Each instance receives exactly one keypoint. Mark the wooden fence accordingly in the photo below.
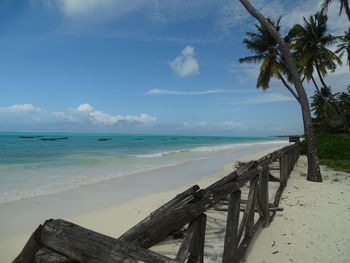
(60, 241)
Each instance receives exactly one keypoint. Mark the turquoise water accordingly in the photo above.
(32, 166)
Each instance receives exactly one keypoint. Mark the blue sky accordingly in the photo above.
(143, 66)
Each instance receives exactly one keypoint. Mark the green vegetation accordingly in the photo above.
(312, 47)
(333, 151)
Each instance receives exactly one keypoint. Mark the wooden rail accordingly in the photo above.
(60, 241)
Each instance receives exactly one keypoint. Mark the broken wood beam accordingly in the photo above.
(83, 245)
(31, 248)
(263, 195)
(247, 216)
(192, 246)
(231, 237)
(177, 199)
(45, 255)
(250, 221)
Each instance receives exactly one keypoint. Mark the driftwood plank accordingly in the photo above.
(31, 248)
(45, 255)
(283, 177)
(231, 238)
(251, 206)
(263, 195)
(191, 248)
(83, 245)
(184, 196)
(198, 250)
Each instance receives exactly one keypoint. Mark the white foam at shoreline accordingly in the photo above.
(74, 180)
(211, 148)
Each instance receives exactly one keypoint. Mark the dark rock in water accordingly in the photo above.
(104, 139)
(174, 138)
(54, 138)
(138, 138)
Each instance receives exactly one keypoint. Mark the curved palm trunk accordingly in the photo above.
(289, 87)
(314, 173)
(334, 109)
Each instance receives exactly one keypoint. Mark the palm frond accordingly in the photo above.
(251, 59)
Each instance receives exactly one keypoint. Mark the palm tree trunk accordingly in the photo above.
(314, 173)
(289, 87)
(334, 109)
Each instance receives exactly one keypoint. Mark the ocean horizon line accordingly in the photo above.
(136, 134)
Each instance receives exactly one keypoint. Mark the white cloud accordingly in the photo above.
(204, 92)
(84, 115)
(185, 64)
(23, 107)
(78, 7)
(96, 8)
(62, 115)
(85, 107)
(231, 125)
(336, 24)
(101, 118)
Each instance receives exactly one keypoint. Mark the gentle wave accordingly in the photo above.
(211, 148)
(76, 181)
(72, 170)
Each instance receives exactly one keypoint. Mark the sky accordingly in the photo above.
(144, 66)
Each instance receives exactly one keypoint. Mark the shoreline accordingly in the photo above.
(36, 168)
(110, 205)
(314, 226)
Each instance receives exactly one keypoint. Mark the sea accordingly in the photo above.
(36, 164)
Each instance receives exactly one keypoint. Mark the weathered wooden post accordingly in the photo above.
(231, 237)
(252, 201)
(192, 246)
(283, 177)
(263, 195)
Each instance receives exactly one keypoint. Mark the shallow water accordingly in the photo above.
(32, 167)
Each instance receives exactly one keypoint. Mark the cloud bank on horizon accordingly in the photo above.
(83, 116)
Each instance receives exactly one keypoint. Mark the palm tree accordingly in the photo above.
(310, 43)
(344, 4)
(313, 173)
(267, 53)
(325, 120)
(321, 109)
(344, 46)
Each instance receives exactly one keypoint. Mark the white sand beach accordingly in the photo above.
(314, 226)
